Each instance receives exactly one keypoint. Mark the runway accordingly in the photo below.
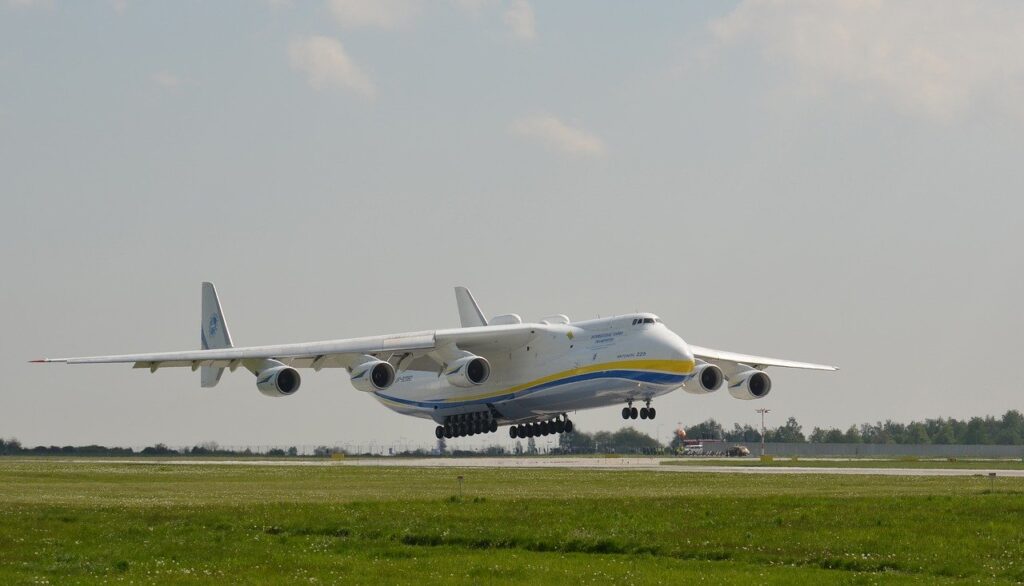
(623, 464)
(654, 465)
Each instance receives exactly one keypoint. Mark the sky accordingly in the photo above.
(829, 182)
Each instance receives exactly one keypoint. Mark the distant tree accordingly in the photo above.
(158, 450)
(519, 448)
(10, 447)
(1011, 430)
(276, 452)
(531, 446)
(442, 445)
(709, 429)
(293, 451)
(916, 433)
(791, 432)
(575, 443)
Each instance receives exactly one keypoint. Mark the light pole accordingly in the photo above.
(762, 411)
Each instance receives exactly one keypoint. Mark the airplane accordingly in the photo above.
(489, 372)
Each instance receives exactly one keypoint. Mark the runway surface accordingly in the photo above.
(644, 464)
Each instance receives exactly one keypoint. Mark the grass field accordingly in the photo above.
(64, 522)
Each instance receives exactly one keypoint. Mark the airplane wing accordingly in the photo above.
(327, 354)
(728, 360)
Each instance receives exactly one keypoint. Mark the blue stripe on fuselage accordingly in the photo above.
(658, 378)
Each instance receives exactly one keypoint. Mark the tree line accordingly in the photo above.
(1005, 430)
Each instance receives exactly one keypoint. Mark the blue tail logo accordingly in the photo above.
(213, 325)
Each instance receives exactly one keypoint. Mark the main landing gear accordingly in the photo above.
(465, 424)
(631, 412)
(560, 424)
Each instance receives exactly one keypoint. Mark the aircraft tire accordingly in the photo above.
(560, 426)
(568, 426)
(643, 413)
(463, 428)
(633, 413)
(625, 412)
(512, 432)
(448, 432)
(439, 432)
(650, 413)
(494, 425)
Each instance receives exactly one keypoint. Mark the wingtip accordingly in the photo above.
(38, 361)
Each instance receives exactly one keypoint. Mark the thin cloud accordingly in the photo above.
(520, 20)
(166, 79)
(327, 65)
(559, 136)
(30, 3)
(932, 59)
(386, 14)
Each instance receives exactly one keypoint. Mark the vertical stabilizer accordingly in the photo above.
(214, 333)
(469, 311)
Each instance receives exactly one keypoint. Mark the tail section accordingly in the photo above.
(469, 311)
(214, 332)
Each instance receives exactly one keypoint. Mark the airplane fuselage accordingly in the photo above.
(565, 367)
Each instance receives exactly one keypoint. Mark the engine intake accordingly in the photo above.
(278, 381)
(749, 385)
(468, 371)
(375, 375)
(707, 378)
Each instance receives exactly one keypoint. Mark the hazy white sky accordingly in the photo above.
(833, 182)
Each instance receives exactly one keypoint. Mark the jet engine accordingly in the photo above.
(468, 371)
(749, 385)
(278, 381)
(373, 375)
(707, 378)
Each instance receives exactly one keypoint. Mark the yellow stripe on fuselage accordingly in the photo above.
(676, 366)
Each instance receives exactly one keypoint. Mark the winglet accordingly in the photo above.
(469, 311)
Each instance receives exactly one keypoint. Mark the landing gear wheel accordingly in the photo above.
(633, 413)
(463, 429)
(448, 432)
(625, 412)
(544, 427)
(513, 432)
(560, 426)
(643, 413)
(650, 413)
(494, 425)
(568, 426)
(439, 432)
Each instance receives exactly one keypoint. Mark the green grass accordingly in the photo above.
(74, 522)
(778, 462)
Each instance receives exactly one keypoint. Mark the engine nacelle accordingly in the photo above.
(468, 371)
(374, 375)
(749, 385)
(278, 381)
(707, 378)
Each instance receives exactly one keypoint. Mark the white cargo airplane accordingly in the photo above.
(469, 380)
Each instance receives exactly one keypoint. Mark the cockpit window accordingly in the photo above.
(648, 320)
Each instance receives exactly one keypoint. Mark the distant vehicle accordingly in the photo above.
(737, 452)
(487, 373)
